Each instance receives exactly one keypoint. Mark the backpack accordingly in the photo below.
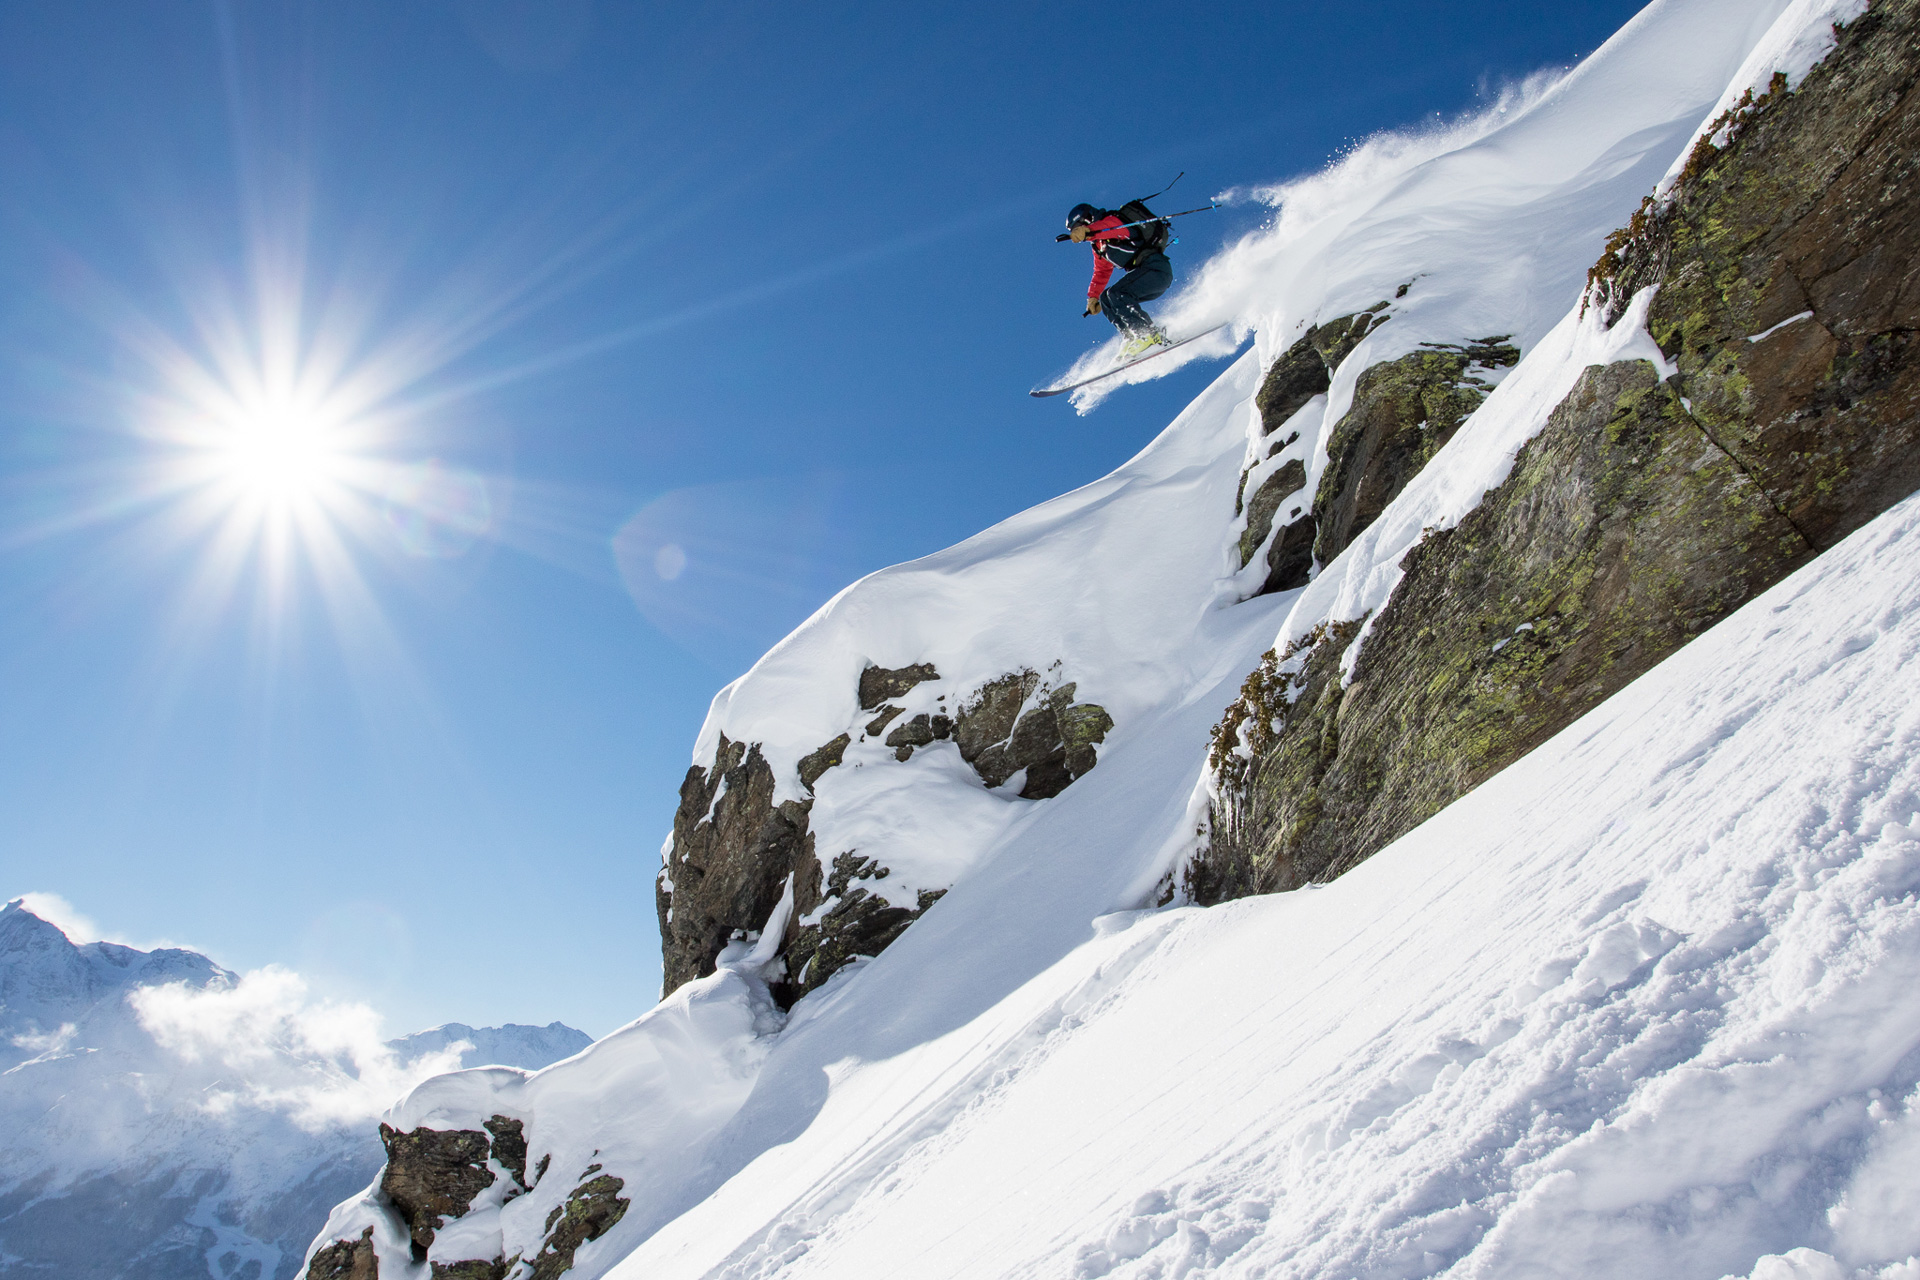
(1154, 237)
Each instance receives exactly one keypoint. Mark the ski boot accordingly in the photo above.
(1138, 344)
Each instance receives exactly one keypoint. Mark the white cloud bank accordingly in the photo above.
(276, 1048)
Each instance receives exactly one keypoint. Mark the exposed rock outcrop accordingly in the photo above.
(1645, 510)
(346, 1260)
(734, 846)
(590, 1211)
(433, 1175)
(1403, 412)
(732, 850)
(1052, 738)
(877, 684)
(1303, 371)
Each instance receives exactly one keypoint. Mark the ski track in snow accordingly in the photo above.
(1639, 1005)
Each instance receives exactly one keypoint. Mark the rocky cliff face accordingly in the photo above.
(1653, 503)
(437, 1177)
(1403, 411)
(737, 844)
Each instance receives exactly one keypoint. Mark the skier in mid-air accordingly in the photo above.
(1137, 250)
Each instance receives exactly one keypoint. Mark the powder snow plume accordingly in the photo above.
(1490, 220)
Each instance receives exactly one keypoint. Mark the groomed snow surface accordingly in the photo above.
(1642, 1005)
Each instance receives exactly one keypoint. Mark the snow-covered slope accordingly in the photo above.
(1490, 225)
(166, 1118)
(1639, 1005)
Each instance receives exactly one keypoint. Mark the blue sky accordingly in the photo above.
(765, 283)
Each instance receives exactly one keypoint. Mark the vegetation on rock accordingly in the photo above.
(590, 1211)
(1645, 510)
(1403, 412)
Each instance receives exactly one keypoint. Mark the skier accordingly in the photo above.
(1137, 250)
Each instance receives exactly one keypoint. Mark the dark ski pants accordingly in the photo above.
(1144, 281)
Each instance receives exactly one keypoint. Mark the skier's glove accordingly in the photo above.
(1093, 308)
(1078, 234)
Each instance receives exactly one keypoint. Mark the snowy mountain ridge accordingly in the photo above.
(166, 1117)
(46, 981)
(1553, 553)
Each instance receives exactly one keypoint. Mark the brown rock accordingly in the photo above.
(877, 684)
(817, 762)
(346, 1260)
(592, 1210)
(433, 1175)
(917, 732)
(729, 860)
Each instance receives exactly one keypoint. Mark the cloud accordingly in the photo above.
(275, 1048)
(60, 913)
(81, 928)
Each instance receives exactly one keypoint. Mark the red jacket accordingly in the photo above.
(1106, 230)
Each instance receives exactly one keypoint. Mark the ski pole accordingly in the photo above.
(1163, 217)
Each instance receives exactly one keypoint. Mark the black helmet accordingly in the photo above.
(1080, 215)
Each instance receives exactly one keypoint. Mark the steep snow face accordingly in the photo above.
(1491, 221)
(1640, 1005)
(166, 1117)
(1489, 225)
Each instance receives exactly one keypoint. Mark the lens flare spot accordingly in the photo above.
(437, 511)
(670, 561)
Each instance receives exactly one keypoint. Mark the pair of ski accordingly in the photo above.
(1154, 354)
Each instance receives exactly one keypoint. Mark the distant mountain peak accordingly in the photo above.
(260, 1179)
(47, 980)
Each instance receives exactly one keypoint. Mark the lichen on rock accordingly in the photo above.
(1016, 723)
(589, 1212)
(1645, 509)
(1303, 371)
(1403, 412)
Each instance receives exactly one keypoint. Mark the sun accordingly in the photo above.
(279, 453)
